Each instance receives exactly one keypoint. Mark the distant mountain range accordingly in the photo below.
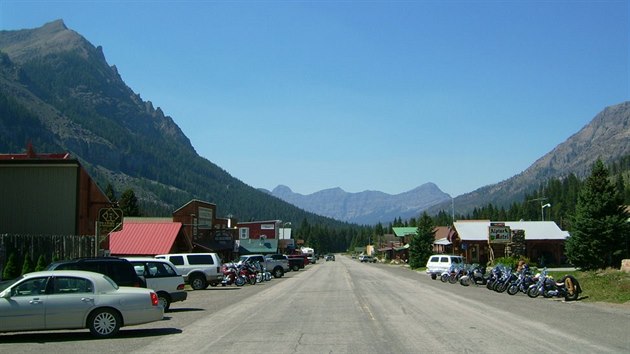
(58, 92)
(368, 207)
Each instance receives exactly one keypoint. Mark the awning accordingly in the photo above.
(401, 248)
(442, 241)
(251, 246)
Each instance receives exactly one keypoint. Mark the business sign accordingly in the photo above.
(109, 219)
(204, 218)
(499, 233)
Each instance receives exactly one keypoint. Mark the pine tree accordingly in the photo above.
(421, 245)
(41, 263)
(27, 266)
(10, 269)
(129, 203)
(599, 236)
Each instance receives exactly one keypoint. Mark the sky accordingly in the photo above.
(362, 95)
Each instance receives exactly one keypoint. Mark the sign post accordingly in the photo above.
(498, 233)
(109, 220)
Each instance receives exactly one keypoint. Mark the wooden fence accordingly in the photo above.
(52, 247)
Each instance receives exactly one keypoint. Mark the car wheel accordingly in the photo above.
(433, 276)
(278, 272)
(164, 300)
(104, 323)
(198, 283)
(296, 268)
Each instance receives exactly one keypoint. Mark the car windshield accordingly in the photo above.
(7, 283)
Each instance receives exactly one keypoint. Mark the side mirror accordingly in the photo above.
(6, 294)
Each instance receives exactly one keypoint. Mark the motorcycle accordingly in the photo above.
(474, 274)
(231, 275)
(522, 282)
(248, 271)
(568, 287)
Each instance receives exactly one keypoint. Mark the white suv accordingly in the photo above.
(199, 269)
(161, 276)
(439, 263)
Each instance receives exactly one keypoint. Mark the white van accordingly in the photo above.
(439, 263)
(199, 269)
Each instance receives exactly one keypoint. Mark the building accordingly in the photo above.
(149, 237)
(258, 237)
(543, 240)
(47, 194)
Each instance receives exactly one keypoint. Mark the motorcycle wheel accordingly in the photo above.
(571, 290)
(444, 278)
(502, 287)
(512, 289)
(239, 281)
(251, 280)
(533, 292)
(452, 279)
(490, 284)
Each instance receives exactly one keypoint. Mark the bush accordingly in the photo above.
(511, 262)
(41, 263)
(27, 266)
(10, 269)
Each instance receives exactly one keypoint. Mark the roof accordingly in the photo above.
(534, 230)
(442, 241)
(144, 238)
(405, 231)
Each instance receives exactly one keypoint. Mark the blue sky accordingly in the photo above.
(362, 95)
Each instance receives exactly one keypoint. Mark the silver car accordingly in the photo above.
(70, 299)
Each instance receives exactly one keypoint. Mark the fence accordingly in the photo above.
(52, 247)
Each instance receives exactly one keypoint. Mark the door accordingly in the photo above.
(24, 308)
(69, 302)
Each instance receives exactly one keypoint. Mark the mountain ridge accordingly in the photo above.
(367, 207)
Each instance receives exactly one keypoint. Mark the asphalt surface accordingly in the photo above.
(351, 307)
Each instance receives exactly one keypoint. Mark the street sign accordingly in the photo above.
(109, 219)
(499, 234)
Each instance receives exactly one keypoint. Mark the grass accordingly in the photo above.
(608, 285)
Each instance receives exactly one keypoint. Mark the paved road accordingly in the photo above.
(350, 307)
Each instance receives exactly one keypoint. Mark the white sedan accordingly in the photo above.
(69, 299)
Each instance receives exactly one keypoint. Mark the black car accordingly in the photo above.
(120, 270)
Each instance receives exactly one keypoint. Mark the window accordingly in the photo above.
(177, 260)
(200, 259)
(30, 287)
(444, 259)
(71, 285)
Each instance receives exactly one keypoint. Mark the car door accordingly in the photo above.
(24, 308)
(69, 301)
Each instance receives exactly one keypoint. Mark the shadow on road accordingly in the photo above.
(74, 336)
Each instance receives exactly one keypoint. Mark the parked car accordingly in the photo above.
(439, 263)
(329, 257)
(68, 299)
(367, 259)
(199, 269)
(161, 276)
(118, 269)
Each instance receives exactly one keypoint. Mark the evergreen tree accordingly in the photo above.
(27, 266)
(10, 269)
(110, 193)
(421, 245)
(600, 229)
(129, 203)
(41, 263)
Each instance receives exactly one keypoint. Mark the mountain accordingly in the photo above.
(368, 207)
(58, 92)
(606, 137)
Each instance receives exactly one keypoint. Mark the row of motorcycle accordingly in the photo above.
(242, 273)
(501, 278)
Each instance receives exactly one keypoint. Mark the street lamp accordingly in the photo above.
(542, 210)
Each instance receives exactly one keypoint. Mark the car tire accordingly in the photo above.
(295, 268)
(433, 276)
(278, 272)
(104, 323)
(164, 300)
(198, 282)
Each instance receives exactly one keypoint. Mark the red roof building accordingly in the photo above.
(144, 237)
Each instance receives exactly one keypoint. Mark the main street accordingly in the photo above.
(351, 307)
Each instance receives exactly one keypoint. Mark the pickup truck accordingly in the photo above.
(277, 267)
(301, 258)
(296, 263)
